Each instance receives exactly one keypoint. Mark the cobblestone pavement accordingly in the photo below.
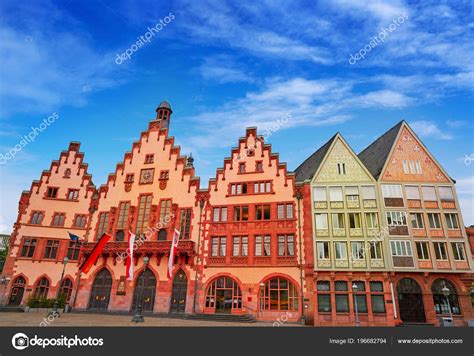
(84, 319)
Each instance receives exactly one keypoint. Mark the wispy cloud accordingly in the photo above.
(223, 69)
(45, 65)
(430, 129)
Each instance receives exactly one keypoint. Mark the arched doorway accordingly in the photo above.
(178, 295)
(18, 289)
(440, 300)
(224, 295)
(410, 301)
(100, 293)
(144, 291)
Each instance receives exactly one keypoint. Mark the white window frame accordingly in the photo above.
(342, 251)
(401, 248)
(320, 244)
(392, 191)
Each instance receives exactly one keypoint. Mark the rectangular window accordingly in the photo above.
(266, 245)
(412, 192)
(321, 221)
(324, 296)
(375, 250)
(102, 225)
(240, 246)
(58, 219)
(446, 193)
(284, 211)
(401, 248)
(262, 245)
(405, 167)
(320, 194)
(165, 210)
(359, 297)
(241, 167)
(214, 246)
(36, 218)
(422, 250)
(372, 220)
(418, 167)
(358, 252)
(149, 158)
(429, 193)
(28, 248)
(341, 250)
(219, 214)
(416, 220)
(392, 191)
(185, 223)
(452, 221)
(223, 246)
(354, 221)
(352, 194)
(236, 246)
(341, 168)
(396, 218)
(412, 167)
(440, 251)
(262, 212)
(144, 207)
(51, 249)
(258, 245)
(377, 297)
(124, 208)
(458, 251)
(286, 245)
(129, 178)
(73, 194)
(338, 221)
(80, 221)
(342, 299)
(52, 192)
(368, 192)
(434, 221)
(73, 250)
(259, 167)
(241, 213)
(323, 250)
(335, 194)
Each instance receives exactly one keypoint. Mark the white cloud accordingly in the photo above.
(429, 129)
(45, 66)
(223, 69)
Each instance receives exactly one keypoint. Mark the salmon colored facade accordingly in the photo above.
(251, 236)
(259, 240)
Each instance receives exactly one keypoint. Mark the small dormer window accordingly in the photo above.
(341, 168)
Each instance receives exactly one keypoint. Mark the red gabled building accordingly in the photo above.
(251, 243)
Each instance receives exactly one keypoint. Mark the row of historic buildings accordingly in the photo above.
(381, 230)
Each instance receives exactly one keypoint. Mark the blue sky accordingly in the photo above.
(227, 65)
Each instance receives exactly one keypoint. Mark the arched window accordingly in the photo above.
(441, 300)
(66, 289)
(224, 294)
(279, 294)
(42, 288)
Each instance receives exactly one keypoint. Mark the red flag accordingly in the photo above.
(87, 264)
(131, 241)
(174, 245)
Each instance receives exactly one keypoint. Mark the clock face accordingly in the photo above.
(147, 176)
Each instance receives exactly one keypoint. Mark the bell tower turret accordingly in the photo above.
(163, 114)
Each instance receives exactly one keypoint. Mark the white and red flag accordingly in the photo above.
(174, 246)
(129, 264)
